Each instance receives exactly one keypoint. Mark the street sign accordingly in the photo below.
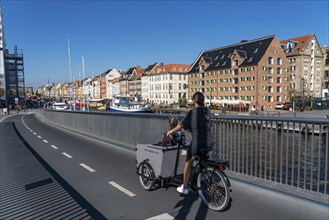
(16, 100)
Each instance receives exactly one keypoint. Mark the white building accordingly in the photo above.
(167, 83)
(110, 76)
(145, 82)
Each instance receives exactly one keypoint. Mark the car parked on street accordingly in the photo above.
(287, 106)
(279, 106)
(59, 106)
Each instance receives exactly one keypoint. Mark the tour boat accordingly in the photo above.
(128, 104)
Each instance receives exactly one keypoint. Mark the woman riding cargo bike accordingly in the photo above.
(156, 163)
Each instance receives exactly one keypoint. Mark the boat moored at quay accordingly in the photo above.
(128, 104)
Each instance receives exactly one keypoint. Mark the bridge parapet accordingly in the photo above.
(283, 153)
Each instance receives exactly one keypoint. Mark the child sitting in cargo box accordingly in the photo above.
(176, 137)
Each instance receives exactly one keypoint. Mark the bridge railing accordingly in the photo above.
(283, 153)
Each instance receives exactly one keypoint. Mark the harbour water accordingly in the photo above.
(270, 152)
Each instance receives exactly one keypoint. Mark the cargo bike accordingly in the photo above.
(157, 165)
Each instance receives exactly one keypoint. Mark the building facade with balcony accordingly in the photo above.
(145, 82)
(254, 71)
(325, 75)
(135, 83)
(15, 79)
(306, 62)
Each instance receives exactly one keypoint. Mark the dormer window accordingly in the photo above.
(235, 63)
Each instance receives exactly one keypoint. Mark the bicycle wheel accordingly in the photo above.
(213, 189)
(146, 176)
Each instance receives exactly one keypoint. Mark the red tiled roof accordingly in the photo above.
(170, 68)
(114, 80)
(301, 43)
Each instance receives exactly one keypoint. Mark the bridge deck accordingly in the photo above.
(31, 190)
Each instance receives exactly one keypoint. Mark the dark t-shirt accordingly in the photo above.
(200, 128)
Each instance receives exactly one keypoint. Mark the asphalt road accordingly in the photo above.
(105, 175)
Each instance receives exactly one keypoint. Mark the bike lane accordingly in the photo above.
(248, 202)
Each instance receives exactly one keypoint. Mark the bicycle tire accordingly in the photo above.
(213, 188)
(146, 176)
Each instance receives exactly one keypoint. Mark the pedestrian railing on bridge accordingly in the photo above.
(283, 153)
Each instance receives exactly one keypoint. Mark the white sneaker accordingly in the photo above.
(181, 189)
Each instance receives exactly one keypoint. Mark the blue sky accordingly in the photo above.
(122, 34)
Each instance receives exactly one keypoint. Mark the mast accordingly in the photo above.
(70, 72)
(83, 83)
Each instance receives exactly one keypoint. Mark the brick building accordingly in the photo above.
(255, 71)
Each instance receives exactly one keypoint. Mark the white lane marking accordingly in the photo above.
(87, 167)
(162, 216)
(31, 130)
(66, 155)
(53, 146)
(34, 133)
(45, 141)
(39, 136)
(122, 189)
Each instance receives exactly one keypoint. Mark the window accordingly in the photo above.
(270, 79)
(279, 61)
(270, 89)
(270, 70)
(279, 71)
(270, 60)
(235, 63)
(279, 80)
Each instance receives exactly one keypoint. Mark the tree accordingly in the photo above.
(182, 102)
(293, 94)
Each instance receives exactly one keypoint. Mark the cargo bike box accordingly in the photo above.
(160, 160)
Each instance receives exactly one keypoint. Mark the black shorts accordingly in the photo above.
(190, 153)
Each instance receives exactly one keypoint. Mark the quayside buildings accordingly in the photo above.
(254, 71)
(260, 72)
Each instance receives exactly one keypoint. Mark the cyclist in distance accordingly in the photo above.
(198, 122)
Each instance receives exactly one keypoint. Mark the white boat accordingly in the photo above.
(129, 104)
